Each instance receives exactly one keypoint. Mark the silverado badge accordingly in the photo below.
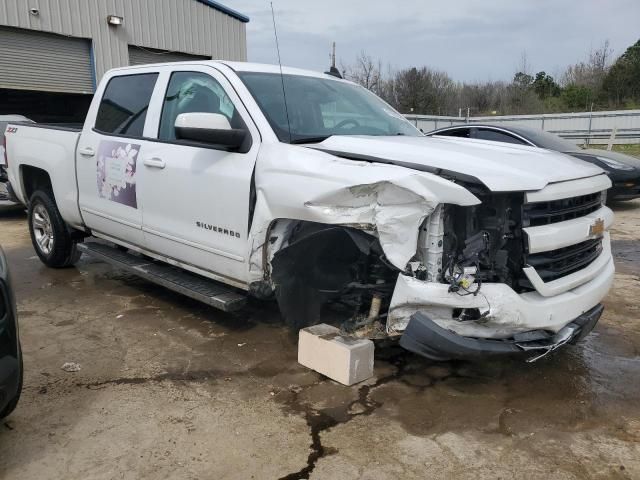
(597, 227)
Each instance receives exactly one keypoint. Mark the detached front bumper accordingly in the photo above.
(441, 325)
(424, 337)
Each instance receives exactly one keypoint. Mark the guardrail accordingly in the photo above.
(616, 127)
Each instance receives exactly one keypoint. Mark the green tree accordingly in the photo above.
(522, 80)
(577, 96)
(520, 96)
(622, 83)
(545, 86)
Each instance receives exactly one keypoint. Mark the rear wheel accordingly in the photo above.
(50, 235)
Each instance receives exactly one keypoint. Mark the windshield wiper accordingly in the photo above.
(310, 139)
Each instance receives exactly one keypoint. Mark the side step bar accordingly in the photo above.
(194, 286)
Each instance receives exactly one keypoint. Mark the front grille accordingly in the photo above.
(544, 213)
(558, 263)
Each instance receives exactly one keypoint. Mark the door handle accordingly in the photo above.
(154, 162)
(87, 152)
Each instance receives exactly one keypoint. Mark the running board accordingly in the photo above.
(194, 286)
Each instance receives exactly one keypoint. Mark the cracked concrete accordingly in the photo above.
(170, 388)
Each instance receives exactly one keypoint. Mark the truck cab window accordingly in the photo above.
(191, 92)
(124, 105)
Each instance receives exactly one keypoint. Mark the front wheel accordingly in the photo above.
(49, 233)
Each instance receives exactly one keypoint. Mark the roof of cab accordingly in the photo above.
(240, 67)
(268, 68)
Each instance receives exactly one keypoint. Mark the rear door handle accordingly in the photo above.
(87, 152)
(154, 162)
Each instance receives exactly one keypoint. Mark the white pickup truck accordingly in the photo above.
(223, 180)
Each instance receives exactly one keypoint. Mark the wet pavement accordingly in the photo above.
(169, 388)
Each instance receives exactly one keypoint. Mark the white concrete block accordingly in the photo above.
(347, 360)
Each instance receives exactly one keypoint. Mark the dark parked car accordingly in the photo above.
(10, 353)
(623, 170)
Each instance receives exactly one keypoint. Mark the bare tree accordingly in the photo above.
(423, 90)
(365, 72)
(484, 97)
(590, 73)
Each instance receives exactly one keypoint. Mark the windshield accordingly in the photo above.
(318, 108)
(550, 141)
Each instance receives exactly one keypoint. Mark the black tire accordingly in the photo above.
(13, 403)
(58, 249)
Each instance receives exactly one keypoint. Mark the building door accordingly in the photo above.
(31, 60)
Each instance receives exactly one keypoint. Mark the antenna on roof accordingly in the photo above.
(286, 109)
(333, 71)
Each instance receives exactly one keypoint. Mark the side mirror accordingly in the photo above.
(211, 128)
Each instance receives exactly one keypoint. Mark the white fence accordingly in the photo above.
(595, 127)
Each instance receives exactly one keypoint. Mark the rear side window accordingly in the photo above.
(458, 132)
(496, 136)
(124, 105)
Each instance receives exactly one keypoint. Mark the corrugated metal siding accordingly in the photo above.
(176, 25)
(44, 61)
(141, 56)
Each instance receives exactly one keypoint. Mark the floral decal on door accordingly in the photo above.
(116, 172)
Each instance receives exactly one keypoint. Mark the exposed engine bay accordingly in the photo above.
(483, 243)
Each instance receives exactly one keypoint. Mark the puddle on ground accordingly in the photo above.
(626, 254)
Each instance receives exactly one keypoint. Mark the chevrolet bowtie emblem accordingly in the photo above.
(597, 228)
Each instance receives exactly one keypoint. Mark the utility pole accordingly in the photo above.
(333, 55)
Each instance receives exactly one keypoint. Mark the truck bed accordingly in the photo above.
(51, 148)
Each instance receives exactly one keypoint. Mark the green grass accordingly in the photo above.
(630, 149)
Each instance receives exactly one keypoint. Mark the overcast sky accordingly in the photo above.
(469, 39)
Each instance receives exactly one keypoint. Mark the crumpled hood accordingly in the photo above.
(500, 167)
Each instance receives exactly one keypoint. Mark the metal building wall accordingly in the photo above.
(179, 25)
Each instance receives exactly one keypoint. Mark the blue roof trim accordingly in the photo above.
(224, 9)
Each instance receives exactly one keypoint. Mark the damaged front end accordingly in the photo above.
(441, 262)
(486, 297)
(463, 294)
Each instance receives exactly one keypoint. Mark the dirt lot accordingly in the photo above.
(172, 389)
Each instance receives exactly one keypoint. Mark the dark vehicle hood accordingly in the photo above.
(591, 156)
(617, 156)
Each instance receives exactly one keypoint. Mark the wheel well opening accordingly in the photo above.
(333, 265)
(33, 179)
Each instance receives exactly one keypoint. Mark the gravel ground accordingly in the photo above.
(171, 389)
